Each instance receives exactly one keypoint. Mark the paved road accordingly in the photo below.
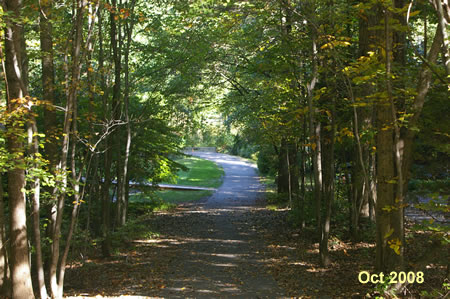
(219, 253)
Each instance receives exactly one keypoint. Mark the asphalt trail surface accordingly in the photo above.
(219, 252)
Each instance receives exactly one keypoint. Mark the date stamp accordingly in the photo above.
(393, 277)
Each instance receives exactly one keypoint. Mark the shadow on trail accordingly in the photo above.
(205, 249)
(219, 253)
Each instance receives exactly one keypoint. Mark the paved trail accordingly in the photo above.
(219, 254)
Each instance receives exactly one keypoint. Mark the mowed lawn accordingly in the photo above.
(201, 173)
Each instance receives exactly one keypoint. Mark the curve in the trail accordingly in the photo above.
(220, 253)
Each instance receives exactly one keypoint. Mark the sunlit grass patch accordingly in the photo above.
(201, 173)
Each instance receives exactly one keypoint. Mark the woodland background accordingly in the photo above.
(343, 103)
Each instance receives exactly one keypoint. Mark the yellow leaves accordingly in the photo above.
(79, 202)
(395, 244)
(414, 13)
(389, 233)
(335, 43)
(388, 208)
(346, 132)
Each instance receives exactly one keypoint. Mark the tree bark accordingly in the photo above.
(328, 189)
(443, 24)
(5, 283)
(56, 285)
(388, 228)
(35, 186)
(16, 89)
(283, 170)
(48, 79)
(123, 199)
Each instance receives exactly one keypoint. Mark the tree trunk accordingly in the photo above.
(35, 186)
(387, 259)
(116, 45)
(302, 197)
(55, 284)
(314, 132)
(283, 170)
(5, 283)
(328, 190)
(48, 79)
(443, 24)
(317, 168)
(106, 209)
(389, 222)
(123, 199)
(20, 266)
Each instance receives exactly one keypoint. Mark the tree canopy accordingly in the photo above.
(337, 100)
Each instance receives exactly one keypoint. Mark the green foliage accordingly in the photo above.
(429, 186)
(267, 160)
(437, 293)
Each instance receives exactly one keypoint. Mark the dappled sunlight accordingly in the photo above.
(224, 265)
(208, 249)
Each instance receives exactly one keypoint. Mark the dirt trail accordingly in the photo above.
(220, 253)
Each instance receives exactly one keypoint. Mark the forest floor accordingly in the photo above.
(231, 245)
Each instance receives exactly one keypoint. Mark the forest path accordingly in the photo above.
(219, 252)
(213, 248)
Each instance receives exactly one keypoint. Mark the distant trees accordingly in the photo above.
(86, 106)
(342, 84)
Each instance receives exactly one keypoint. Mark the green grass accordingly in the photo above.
(201, 173)
(175, 197)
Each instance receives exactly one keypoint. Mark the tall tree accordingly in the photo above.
(18, 103)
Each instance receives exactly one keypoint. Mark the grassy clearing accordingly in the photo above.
(201, 173)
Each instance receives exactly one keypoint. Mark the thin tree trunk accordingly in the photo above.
(373, 188)
(55, 284)
(302, 196)
(314, 133)
(443, 24)
(123, 199)
(328, 190)
(106, 209)
(116, 45)
(283, 170)
(34, 151)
